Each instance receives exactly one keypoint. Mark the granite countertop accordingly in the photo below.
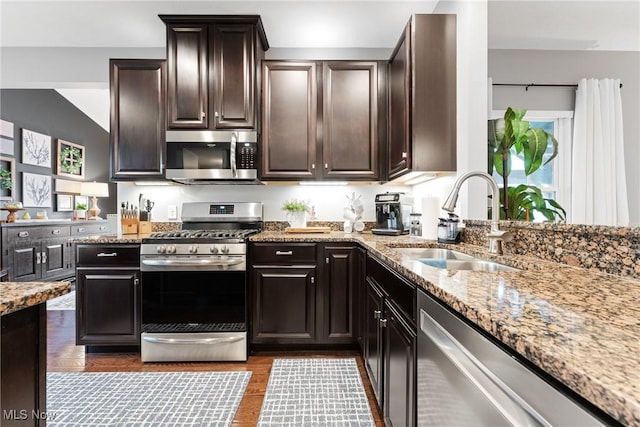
(111, 239)
(580, 326)
(15, 296)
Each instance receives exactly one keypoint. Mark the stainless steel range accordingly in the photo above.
(194, 285)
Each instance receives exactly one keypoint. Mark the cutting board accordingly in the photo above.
(308, 230)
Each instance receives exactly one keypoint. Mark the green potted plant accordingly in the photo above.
(80, 212)
(513, 132)
(6, 182)
(296, 212)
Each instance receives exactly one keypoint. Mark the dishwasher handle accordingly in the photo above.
(511, 406)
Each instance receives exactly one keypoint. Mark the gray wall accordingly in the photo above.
(47, 112)
(567, 67)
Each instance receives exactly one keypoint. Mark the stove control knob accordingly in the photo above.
(225, 250)
(161, 249)
(213, 250)
(171, 249)
(193, 249)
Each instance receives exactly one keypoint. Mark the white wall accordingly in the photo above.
(329, 201)
(567, 67)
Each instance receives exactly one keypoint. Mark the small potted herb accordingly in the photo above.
(296, 212)
(80, 211)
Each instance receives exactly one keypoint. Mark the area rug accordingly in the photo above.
(315, 392)
(144, 398)
(64, 302)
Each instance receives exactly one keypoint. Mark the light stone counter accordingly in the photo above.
(580, 326)
(15, 296)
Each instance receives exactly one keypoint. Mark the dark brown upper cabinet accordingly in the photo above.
(322, 120)
(422, 97)
(137, 136)
(212, 70)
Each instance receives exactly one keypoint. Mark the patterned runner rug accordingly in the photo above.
(315, 392)
(144, 398)
(65, 302)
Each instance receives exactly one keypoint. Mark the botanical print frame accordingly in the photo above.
(80, 199)
(64, 202)
(36, 148)
(71, 158)
(7, 178)
(6, 138)
(36, 190)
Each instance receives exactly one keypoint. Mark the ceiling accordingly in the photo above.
(513, 24)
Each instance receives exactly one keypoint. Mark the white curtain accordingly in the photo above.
(599, 188)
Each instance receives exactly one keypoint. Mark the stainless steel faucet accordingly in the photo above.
(495, 236)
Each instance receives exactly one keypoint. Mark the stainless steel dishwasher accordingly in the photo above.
(466, 380)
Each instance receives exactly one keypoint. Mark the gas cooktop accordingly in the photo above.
(202, 236)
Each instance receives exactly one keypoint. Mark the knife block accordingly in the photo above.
(129, 225)
(144, 227)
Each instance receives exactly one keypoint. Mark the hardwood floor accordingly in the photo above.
(64, 356)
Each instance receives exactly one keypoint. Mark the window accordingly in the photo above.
(554, 177)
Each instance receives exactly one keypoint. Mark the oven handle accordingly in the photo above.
(170, 262)
(232, 339)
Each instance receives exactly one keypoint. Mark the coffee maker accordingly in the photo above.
(392, 214)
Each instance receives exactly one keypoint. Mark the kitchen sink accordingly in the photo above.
(433, 253)
(466, 264)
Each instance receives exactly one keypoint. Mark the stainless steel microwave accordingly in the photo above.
(200, 157)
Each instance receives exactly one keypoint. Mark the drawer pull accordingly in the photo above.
(103, 227)
(81, 230)
(377, 314)
(103, 254)
(56, 231)
(23, 234)
(284, 253)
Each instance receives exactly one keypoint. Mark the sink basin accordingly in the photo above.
(466, 264)
(433, 253)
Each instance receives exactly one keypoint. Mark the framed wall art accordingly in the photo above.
(36, 149)
(7, 178)
(70, 159)
(6, 138)
(36, 190)
(64, 202)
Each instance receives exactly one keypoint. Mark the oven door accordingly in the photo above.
(194, 315)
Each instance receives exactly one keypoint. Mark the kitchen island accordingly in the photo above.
(23, 351)
(579, 326)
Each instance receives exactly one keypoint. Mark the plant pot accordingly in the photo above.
(79, 214)
(297, 219)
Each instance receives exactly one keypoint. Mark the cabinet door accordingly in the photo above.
(232, 67)
(350, 120)
(137, 136)
(399, 369)
(399, 152)
(373, 307)
(283, 305)
(107, 311)
(289, 108)
(25, 258)
(187, 84)
(56, 258)
(336, 305)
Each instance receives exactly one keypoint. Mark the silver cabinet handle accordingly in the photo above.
(404, 154)
(313, 165)
(38, 259)
(232, 154)
(23, 234)
(510, 405)
(44, 257)
(284, 252)
(227, 340)
(103, 254)
(103, 227)
(81, 230)
(313, 280)
(383, 323)
(56, 231)
(326, 165)
(377, 314)
(203, 115)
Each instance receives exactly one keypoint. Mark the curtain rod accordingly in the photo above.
(528, 85)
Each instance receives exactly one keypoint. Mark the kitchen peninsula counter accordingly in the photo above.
(16, 296)
(580, 326)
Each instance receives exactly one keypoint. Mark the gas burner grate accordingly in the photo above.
(193, 327)
(203, 234)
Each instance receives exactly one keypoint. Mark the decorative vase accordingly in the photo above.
(297, 219)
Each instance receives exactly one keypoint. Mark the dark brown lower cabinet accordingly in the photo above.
(303, 294)
(23, 364)
(390, 342)
(284, 305)
(108, 295)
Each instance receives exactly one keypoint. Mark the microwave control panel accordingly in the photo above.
(246, 157)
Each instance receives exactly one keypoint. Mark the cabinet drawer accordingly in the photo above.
(269, 253)
(90, 229)
(36, 233)
(400, 291)
(107, 255)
